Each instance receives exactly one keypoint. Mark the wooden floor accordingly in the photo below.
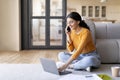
(27, 57)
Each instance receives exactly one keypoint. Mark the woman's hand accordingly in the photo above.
(67, 30)
(62, 68)
(68, 35)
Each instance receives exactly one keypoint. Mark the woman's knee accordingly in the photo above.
(94, 61)
(62, 56)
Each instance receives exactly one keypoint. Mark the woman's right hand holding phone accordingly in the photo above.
(68, 31)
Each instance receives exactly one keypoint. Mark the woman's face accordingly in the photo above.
(73, 24)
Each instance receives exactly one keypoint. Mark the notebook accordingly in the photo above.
(81, 77)
(51, 67)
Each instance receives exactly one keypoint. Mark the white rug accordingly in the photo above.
(35, 72)
(24, 72)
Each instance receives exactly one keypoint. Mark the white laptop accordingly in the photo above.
(50, 66)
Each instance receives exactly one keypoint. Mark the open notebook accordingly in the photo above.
(51, 67)
(80, 77)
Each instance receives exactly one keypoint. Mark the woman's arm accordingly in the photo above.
(63, 67)
(68, 35)
(69, 44)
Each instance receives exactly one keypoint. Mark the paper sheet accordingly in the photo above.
(80, 77)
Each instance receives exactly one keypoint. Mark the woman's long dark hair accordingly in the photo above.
(76, 16)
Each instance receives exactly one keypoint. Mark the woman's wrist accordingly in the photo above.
(68, 39)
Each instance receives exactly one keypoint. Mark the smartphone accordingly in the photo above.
(68, 29)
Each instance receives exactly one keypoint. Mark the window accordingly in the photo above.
(90, 11)
(93, 11)
(83, 10)
(103, 11)
(97, 11)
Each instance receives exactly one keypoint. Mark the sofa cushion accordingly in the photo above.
(101, 30)
(108, 50)
(113, 31)
(118, 41)
(92, 28)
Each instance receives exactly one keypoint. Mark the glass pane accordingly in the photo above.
(38, 8)
(90, 10)
(103, 11)
(97, 9)
(56, 32)
(38, 31)
(55, 7)
(83, 10)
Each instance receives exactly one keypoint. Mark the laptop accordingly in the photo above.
(51, 67)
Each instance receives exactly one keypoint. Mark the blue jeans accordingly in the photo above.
(91, 59)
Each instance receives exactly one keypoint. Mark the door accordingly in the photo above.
(45, 24)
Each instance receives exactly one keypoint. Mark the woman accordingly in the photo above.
(82, 51)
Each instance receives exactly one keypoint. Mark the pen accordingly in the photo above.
(88, 76)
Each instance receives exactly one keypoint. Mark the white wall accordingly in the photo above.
(9, 25)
